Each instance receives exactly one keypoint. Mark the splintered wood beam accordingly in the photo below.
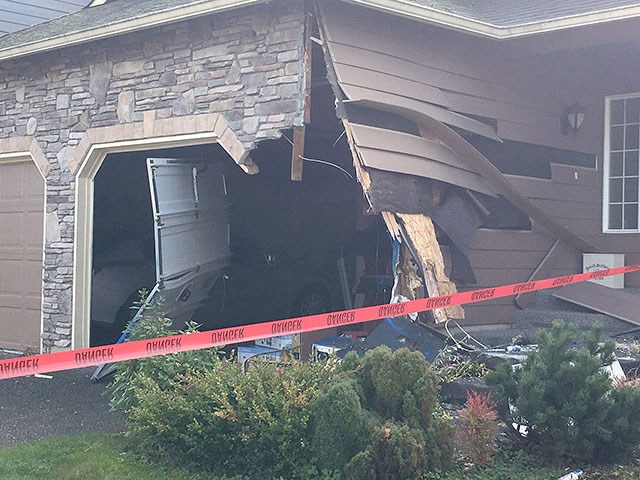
(308, 57)
(392, 225)
(421, 234)
(297, 154)
(299, 132)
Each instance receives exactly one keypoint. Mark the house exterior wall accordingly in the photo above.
(243, 65)
(524, 93)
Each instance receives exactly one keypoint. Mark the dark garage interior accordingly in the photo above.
(286, 236)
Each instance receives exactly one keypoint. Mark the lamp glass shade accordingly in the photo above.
(575, 120)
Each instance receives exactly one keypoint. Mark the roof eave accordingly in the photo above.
(397, 7)
(126, 26)
(496, 32)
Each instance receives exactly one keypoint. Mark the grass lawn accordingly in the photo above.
(93, 457)
(104, 457)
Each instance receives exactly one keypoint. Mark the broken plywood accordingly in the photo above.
(421, 233)
(609, 301)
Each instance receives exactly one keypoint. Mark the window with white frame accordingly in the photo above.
(621, 153)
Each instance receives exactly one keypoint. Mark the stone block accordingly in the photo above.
(62, 102)
(126, 106)
(128, 67)
(167, 79)
(185, 104)
(32, 124)
(209, 52)
(99, 77)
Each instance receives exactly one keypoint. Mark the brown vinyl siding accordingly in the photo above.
(394, 151)
(458, 80)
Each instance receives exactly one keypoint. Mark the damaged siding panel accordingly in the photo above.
(422, 167)
(386, 82)
(574, 175)
(572, 204)
(446, 81)
(389, 35)
(549, 135)
(536, 188)
(393, 141)
(454, 64)
(363, 96)
(500, 109)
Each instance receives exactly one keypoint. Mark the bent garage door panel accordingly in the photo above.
(21, 222)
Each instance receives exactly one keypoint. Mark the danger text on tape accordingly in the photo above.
(52, 362)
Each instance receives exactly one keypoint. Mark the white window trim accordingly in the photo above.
(605, 166)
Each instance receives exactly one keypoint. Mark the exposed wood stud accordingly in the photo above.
(392, 225)
(297, 153)
(421, 234)
(299, 132)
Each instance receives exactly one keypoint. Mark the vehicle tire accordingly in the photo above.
(311, 300)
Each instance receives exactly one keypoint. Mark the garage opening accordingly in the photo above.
(285, 238)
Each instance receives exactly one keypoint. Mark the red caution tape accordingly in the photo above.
(53, 362)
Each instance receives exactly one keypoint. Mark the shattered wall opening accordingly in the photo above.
(286, 237)
(427, 150)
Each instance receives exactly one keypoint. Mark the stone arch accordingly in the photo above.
(86, 159)
(22, 148)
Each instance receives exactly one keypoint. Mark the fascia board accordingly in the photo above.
(126, 26)
(476, 27)
(397, 7)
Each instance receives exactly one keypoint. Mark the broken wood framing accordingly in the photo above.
(297, 160)
(420, 232)
(297, 153)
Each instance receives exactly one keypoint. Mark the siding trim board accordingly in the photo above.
(436, 16)
(80, 36)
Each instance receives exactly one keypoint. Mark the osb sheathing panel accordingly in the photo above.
(421, 233)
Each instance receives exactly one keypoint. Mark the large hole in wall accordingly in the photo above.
(285, 237)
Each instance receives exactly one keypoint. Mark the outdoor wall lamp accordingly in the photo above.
(572, 118)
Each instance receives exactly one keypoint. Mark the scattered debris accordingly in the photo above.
(575, 475)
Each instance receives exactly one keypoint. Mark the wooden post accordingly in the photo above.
(421, 233)
(297, 153)
(299, 132)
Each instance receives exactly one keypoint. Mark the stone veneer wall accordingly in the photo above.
(245, 65)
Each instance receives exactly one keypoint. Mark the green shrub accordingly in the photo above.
(402, 437)
(396, 452)
(303, 420)
(339, 431)
(198, 409)
(164, 370)
(567, 401)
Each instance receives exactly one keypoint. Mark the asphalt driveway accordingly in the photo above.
(33, 409)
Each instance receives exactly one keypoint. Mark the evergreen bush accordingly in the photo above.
(567, 401)
(398, 394)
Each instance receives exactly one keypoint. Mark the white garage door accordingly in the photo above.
(21, 223)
